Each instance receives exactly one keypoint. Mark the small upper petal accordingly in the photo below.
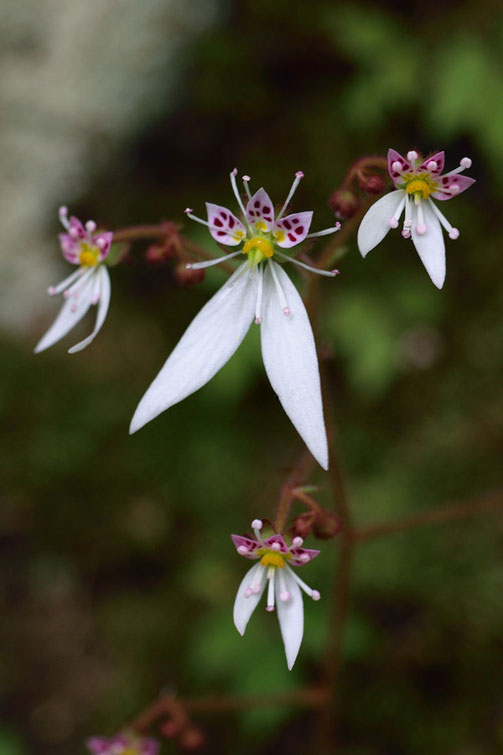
(302, 556)
(430, 245)
(245, 542)
(290, 616)
(396, 157)
(461, 183)
(208, 343)
(290, 360)
(375, 225)
(439, 159)
(245, 606)
(294, 228)
(224, 226)
(260, 211)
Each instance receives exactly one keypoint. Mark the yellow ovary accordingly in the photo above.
(258, 243)
(273, 558)
(89, 255)
(421, 184)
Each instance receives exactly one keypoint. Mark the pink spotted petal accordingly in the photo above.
(276, 539)
(77, 230)
(447, 182)
(298, 555)
(69, 248)
(252, 545)
(260, 210)
(439, 158)
(105, 239)
(295, 228)
(224, 225)
(393, 157)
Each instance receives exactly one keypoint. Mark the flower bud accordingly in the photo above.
(326, 525)
(191, 739)
(344, 203)
(371, 184)
(188, 276)
(303, 524)
(163, 249)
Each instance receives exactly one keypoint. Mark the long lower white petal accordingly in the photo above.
(247, 600)
(208, 343)
(430, 245)
(290, 617)
(291, 363)
(375, 224)
(71, 313)
(104, 292)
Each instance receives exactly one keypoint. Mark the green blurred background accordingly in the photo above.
(118, 573)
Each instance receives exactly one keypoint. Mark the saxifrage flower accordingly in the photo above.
(89, 284)
(284, 587)
(259, 290)
(123, 744)
(418, 182)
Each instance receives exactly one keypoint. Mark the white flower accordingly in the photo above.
(283, 585)
(89, 284)
(259, 290)
(417, 180)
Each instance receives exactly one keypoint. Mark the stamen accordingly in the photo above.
(245, 184)
(393, 221)
(256, 527)
(314, 594)
(453, 232)
(281, 295)
(407, 223)
(305, 558)
(284, 595)
(258, 303)
(420, 227)
(275, 547)
(101, 243)
(53, 290)
(210, 263)
(95, 296)
(326, 232)
(397, 166)
(327, 273)
(256, 584)
(464, 164)
(298, 177)
(189, 214)
(236, 192)
(432, 165)
(270, 590)
(297, 542)
(90, 226)
(83, 278)
(63, 216)
(412, 156)
(243, 550)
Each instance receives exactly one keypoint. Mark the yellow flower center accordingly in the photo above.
(260, 244)
(420, 185)
(273, 558)
(89, 255)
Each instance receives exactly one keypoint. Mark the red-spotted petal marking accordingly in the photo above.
(434, 164)
(293, 229)
(103, 241)
(301, 556)
(397, 165)
(451, 186)
(245, 546)
(76, 229)
(224, 226)
(69, 248)
(276, 540)
(260, 211)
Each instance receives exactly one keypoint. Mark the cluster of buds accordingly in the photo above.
(364, 176)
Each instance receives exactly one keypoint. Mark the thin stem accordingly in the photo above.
(297, 476)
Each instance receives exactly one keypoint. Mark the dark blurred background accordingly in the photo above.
(118, 573)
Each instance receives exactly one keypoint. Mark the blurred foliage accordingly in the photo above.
(118, 571)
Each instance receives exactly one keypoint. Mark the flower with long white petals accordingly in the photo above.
(284, 588)
(258, 291)
(418, 181)
(88, 285)
(125, 743)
